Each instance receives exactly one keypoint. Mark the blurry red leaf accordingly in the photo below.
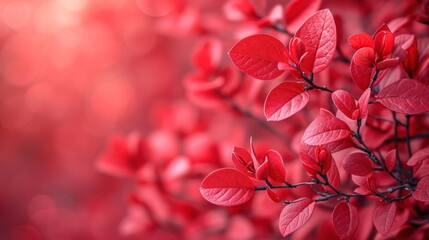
(243, 161)
(406, 96)
(345, 102)
(422, 190)
(345, 218)
(383, 217)
(227, 187)
(295, 215)
(273, 196)
(207, 54)
(390, 160)
(258, 56)
(284, 100)
(325, 128)
(363, 103)
(422, 154)
(319, 35)
(276, 168)
(296, 11)
(411, 61)
(361, 40)
(387, 63)
(358, 164)
(383, 43)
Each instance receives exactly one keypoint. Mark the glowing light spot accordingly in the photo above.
(75, 5)
(157, 8)
(17, 14)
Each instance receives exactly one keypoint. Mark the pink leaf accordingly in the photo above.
(422, 190)
(258, 56)
(345, 218)
(422, 154)
(358, 164)
(345, 102)
(406, 96)
(285, 100)
(319, 35)
(276, 168)
(326, 128)
(383, 217)
(390, 160)
(227, 187)
(296, 11)
(363, 103)
(360, 40)
(295, 215)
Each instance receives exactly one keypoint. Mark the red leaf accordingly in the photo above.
(296, 11)
(276, 168)
(326, 128)
(319, 35)
(273, 196)
(363, 103)
(361, 75)
(334, 175)
(383, 43)
(360, 40)
(406, 96)
(383, 217)
(243, 161)
(262, 171)
(227, 187)
(258, 56)
(207, 55)
(345, 218)
(295, 215)
(285, 100)
(390, 160)
(387, 63)
(364, 57)
(358, 164)
(310, 165)
(345, 102)
(422, 154)
(422, 190)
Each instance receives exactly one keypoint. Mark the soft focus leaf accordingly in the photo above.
(390, 160)
(295, 215)
(422, 154)
(243, 161)
(273, 196)
(383, 217)
(285, 100)
(345, 218)
(422, 190)
(258, 56)
(406, 96)
(296, 11)
(227, 187)
(358, 164)
(361, 75)
(325, 128)
(319, 35)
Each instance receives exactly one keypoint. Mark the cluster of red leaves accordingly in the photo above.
(340, 153)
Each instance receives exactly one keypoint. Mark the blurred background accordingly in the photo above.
(107, 125)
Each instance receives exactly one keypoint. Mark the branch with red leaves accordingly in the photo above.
(340, 153)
